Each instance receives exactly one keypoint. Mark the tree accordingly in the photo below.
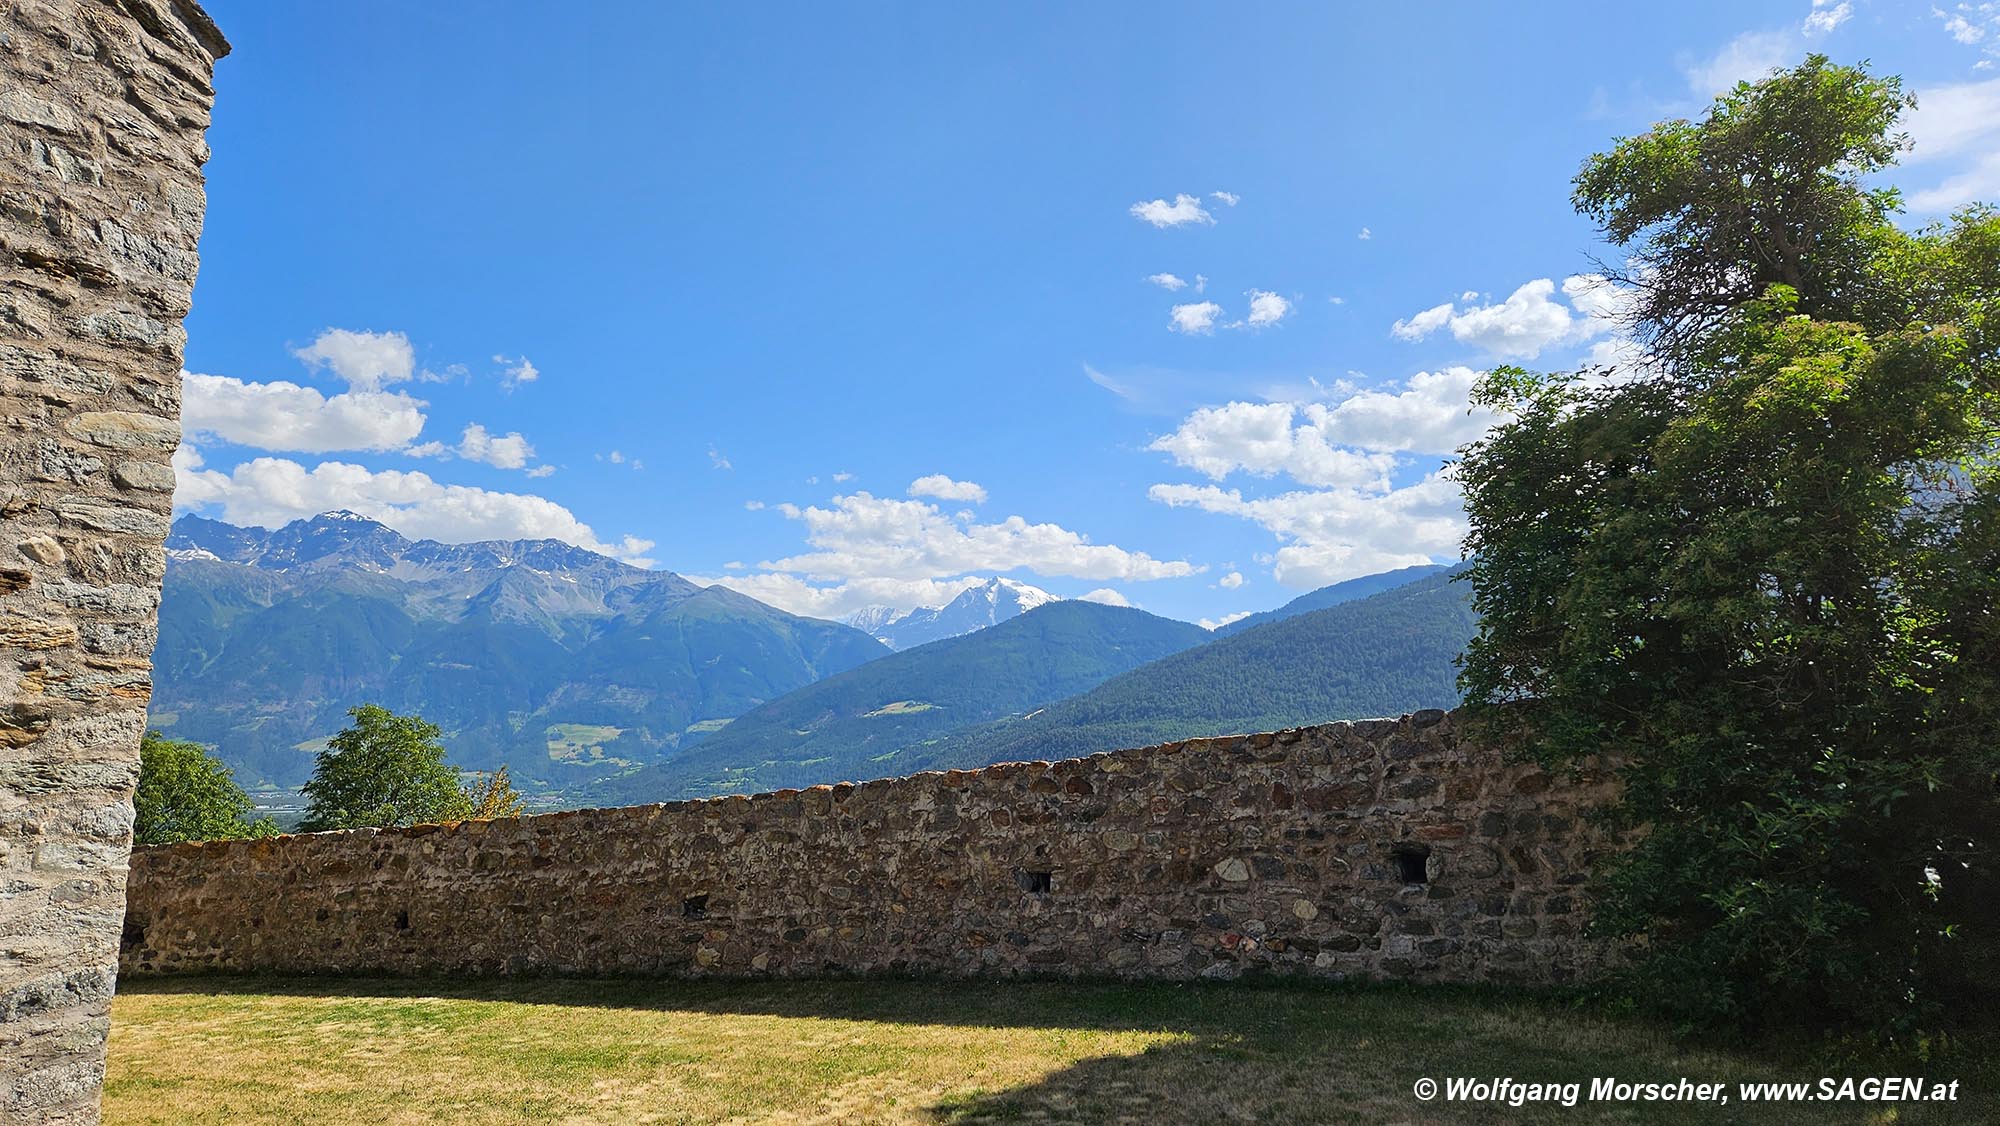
(1761, 576)
(493, 795)
(383, 769)
(186, 794)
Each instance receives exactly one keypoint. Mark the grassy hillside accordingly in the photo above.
(1382, 655)
(857, 724)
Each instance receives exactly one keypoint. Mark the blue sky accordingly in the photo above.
(850, 304)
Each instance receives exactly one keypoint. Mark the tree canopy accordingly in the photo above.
(384, 769)
(1761, 572)
(186, 794)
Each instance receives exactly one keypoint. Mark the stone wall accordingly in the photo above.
(1391, 848)
(103, 106)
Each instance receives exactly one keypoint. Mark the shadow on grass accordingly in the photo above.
(1260, 1051)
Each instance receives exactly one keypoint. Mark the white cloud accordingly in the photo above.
(1365, 234)
(1423, 324)
(518, 371)
(864, 535)
(1953, 120)
(616, 458)
(1334, 534)
(509, 451)
(1267, 308)
(1261, 439)
(1105, 596)
(1529, 321)
(286, 416)
(1746, 58)
(1970, 24)
(1167, 282)
(1213, 624)
(753, 505)
(1957, 121)
(1825, 16)
(1230, 581)
(841, 476)
(1336, 300)
(269, 492)
(1521, 326)
(944, 488)
(1979, 183)
(715, 459)
(1230, 199)
(1117, 388)
(795, 595)
(542, 471)
(869, 550)
(1198, 318)
(1350, 520)
(1200, 283)
(1183, 210)
(365, 361)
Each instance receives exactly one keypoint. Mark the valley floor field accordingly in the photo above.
(376, 1051)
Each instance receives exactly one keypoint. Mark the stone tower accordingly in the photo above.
(103, 106)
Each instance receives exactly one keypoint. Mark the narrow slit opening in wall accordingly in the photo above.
(694, 907)
(402, 920)
(1413, 863)
(1036, 883)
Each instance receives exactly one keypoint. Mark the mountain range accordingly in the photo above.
(988, 604)
(898, 707)
(1071, 678)
(563, 664)
(600, 683)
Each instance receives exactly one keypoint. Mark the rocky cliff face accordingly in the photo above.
(103, 106)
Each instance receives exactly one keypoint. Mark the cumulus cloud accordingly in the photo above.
(944, 488)
(286, 416)
(1212, 624)
(1197, 319)
(1267, 308)
(1422, 324)
(269, 492)
(518, 371)
(1365, 234)
(1183, 210)
(795, 595)
(1969, 24)
(715, 459)
(1105, 596)
(1264, 439)
(1334, 534)
(862, 534)
(508, 451)
(1529, 321)
(1230, 581)
(1350, 518)
(1229, 199)
(868, 550)
(365, 361)
(1167, 282)
(1825, 16)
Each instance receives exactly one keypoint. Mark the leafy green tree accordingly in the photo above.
(383, 769)
(1762, 575)
(186, 794)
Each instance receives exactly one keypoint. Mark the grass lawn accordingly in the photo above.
(387, 1051)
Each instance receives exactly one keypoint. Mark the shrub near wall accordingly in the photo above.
(1389, 848)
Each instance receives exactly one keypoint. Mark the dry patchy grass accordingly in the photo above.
(380, 1052)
